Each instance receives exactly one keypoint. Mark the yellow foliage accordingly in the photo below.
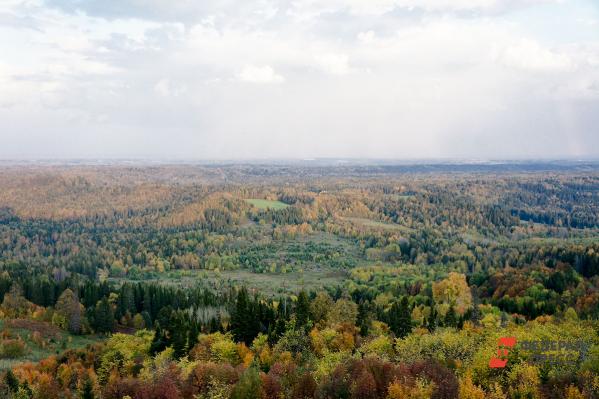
(224, 349)
(325, 365)
(453, 291)
(245, 354)
(285, 357)
(379, 328)
(470, 391)
(317, 341)
(343, 341)
(495, 392)
(524, 381)
(572, 392)
(381, 346)
(421, 389)
(265, 356)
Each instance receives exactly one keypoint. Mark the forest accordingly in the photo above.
(299, 281)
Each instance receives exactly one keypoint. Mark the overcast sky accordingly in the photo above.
(222, 79)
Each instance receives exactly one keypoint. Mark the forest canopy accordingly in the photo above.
(272, 281)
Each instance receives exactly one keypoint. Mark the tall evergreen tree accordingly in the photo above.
(11, 381)
(245, 324)
(302, 310)
(179, 335)
(400, 318)
(103, 320)
(87, 390)
(431, 323)
(451, 318)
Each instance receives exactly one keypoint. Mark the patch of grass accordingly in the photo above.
(375, 224)
(270, 284)
(41, 340)
(266, 204)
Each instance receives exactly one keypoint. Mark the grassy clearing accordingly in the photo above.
(51, 340)
(270, 284)
(311, 261)
(375, 224)
(266, 204)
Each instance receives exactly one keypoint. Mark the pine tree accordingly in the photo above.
(400, 318)
(147, 300)
(87, 391)
(364, 318)
(103, 316)
(126, 300)
(11, 381)
(405, 318)
(245, 323)
(451, 319)
(432, 319)
(179, 335)
(302, 310)
(239, 322)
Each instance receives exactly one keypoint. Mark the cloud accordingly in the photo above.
(297, 78)
(165, 88)
(335, 64)
(259, 74)
(529, 55)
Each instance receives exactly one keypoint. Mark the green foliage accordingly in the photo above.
(248, 386)
(400, 318)
(445, 265)
(444, 345)
(103, 316)
(124, 353)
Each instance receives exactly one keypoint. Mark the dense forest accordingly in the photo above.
(295, 281)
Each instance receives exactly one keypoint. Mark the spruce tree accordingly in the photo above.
(87, 391)
(103, 316)
(302, 310)
(239, 316)
(451, 319)
(179, 334)
(400, 318)
(11, 381)
(432, 319)
(405, 318)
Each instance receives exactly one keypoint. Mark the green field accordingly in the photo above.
(266, 204)
(51, 340)
(270, 284)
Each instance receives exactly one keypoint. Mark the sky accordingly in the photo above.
(258, 79)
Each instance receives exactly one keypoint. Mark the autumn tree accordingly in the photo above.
(69, 311)
(453, 291)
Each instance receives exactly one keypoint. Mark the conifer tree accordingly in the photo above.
(400, 318)
(451, 319)
(432, 319)
(302, 310)
(87, 391)
(103, 320)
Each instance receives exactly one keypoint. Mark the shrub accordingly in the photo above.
(12, 348)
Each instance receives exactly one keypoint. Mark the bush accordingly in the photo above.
(12, 348)
(249, 385)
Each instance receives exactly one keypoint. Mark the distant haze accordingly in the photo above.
(253, 79)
